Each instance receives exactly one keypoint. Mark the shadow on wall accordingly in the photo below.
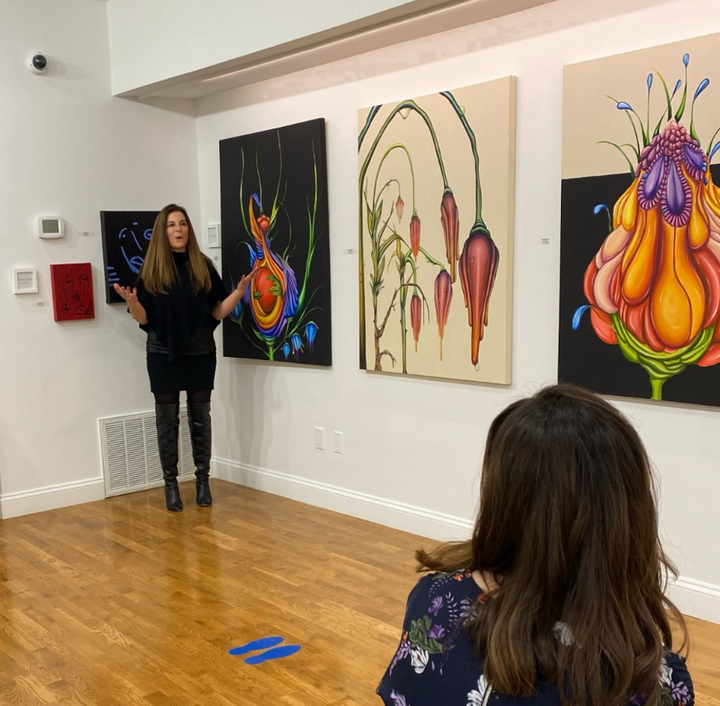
(249, 404)
(365, 61)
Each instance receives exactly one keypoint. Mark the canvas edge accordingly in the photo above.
(694, 598)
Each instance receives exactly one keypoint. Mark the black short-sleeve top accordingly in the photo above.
(180, 322)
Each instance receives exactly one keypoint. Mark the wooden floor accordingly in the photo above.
(120, 602)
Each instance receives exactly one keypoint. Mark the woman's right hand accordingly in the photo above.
(127, 293)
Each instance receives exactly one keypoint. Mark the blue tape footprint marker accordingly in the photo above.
(275, 653)
(260, 644)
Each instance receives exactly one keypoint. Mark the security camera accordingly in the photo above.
(38, 63)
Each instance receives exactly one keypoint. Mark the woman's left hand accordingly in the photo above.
(243, 284)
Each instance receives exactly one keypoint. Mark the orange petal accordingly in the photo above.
(710, 269)
(640, 266)
(677, 304)
(698, 226)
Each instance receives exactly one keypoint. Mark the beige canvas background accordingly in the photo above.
(588, 116)
(490, 110)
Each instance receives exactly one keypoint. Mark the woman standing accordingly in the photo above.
(558, 596)
(179, 300)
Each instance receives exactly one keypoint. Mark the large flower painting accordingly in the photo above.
(435, 200)
(275, 226)
(640, 301)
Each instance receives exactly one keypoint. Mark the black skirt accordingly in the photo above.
(185, 372)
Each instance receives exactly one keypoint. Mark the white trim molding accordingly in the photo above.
(51, 497)
(695, 598)
(409, 518)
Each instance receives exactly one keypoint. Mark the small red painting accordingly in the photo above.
(72, 291)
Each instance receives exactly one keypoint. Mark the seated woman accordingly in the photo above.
(558, 596)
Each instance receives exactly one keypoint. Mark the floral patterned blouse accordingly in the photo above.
(436, 665)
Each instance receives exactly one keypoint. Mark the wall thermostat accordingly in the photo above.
(214, 235)
(50, 227)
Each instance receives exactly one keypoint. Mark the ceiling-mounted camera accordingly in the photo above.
(38, 63)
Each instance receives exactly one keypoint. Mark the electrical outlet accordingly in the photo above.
(338, 439)
(319, 438)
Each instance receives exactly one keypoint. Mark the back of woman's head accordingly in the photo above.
(568, 527)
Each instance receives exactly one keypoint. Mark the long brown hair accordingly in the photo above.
(159, 272)
(568, 527)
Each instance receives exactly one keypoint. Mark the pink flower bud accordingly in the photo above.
(416, 317)
(443, 298)
(478, 267)
(415, 235)
(399, 208)
(450, 226)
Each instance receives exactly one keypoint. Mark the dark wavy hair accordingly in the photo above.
(159, 272)
(568, 527)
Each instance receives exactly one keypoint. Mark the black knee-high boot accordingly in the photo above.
(167, 421)
(201, 438)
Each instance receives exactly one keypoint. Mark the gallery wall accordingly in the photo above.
(151, 42)
(69, 149)
(411, 446)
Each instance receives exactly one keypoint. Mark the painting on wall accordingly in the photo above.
(435, 200)
(72, 291)
(640, 244)
(274, 211)
(125, 238)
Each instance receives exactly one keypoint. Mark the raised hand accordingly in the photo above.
(127, 293)
(243, 284)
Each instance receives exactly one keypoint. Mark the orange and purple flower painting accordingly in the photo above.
(275, 226)
(435, 194)
(640, 282)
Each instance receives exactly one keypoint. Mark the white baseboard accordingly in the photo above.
(701, 600)
(51, 497)
(390, 513)
(696, 598)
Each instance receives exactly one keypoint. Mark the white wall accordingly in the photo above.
(412, 446)
(68, 148)
(153, 41)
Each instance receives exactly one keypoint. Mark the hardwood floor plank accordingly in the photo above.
(120, 603)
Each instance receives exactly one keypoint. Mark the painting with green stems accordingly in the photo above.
(435, 209)
(273, 194)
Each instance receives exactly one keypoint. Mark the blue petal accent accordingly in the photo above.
(677, 87)
(253, 254)
(686, 59)
(703, 85)
(236, 313)
(257, 200)
(622, 105)
(714, 150)
(649, 80)
(310, 333)
(577, 316)
(599, 208)
(286, 350)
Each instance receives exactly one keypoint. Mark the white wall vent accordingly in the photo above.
(130, 455)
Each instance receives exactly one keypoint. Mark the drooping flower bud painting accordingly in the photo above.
(640, 279)
(446, 161)
(275, 226)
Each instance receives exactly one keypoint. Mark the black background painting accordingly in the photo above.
(125, 239)
(584, 358)
(283, 162)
